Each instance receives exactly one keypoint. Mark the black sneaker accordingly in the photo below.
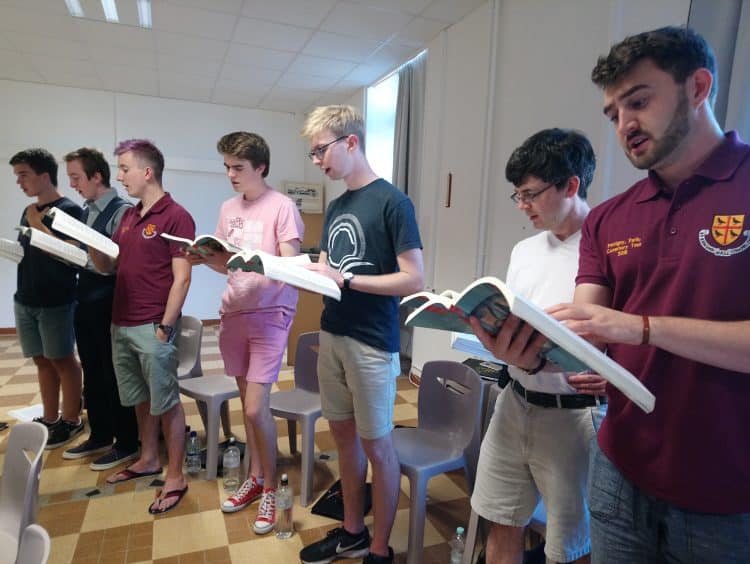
(377, 559)
(86, 448)
(62, 433)
(47, 423)
(113, 457)
(339, 543)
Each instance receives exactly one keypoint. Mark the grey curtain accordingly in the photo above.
(726, 26)
(407, 143)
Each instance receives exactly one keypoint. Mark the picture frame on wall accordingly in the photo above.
(308, 196)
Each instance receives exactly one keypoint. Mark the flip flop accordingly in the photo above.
(179, 494)
(132, 475)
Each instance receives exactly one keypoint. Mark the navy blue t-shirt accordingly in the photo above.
(364, 231)
(43, 281)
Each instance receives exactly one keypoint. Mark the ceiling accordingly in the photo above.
(279, 55)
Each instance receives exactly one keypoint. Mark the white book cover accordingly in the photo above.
(54, 246)
(11, 250)
(70, 226)
(289, 270)
(490, 301)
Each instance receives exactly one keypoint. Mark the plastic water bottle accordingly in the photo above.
(284, 501)
(231, 467)
(457, 546)
(193, 454)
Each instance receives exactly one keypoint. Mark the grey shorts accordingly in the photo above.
(530, 452)
(357, 381)
(145, 367)
(45, 331)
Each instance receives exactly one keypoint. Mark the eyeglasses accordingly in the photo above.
(527, 197)
(320, 150)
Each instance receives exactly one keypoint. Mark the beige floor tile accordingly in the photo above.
(72, 476)
(63, 549)
(268, 549)
(118, 510)
(188, 533)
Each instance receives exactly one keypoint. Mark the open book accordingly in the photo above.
(11, 250)
(70, 226)
(290, 270)
(203, 244)
(490, 301)
(56, 247)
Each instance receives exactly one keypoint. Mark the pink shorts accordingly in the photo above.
(252, 344)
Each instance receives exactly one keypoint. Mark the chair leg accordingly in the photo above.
(471, 537)
(212, 438)
(291, 426)
(226, 425)
(308, 461)
(417, 514)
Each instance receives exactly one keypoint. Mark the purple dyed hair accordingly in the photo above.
(146, 153)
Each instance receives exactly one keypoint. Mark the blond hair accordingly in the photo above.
(339, 120)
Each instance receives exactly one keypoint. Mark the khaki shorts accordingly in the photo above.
(357, 381)
(145, 367)
(531, 451)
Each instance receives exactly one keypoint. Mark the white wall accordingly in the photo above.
(62, 119)
(544, 51)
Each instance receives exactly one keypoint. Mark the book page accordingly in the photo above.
(70, 226)
(55, 247)
(289, 270)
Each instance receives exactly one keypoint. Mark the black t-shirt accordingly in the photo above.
(364, 231)
(43, 281)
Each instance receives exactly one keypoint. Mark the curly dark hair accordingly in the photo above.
(553, 155)
(679, 51)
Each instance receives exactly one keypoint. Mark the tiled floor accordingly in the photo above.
(91, 522)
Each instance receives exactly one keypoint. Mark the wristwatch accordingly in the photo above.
(348, 277)
(166, 329)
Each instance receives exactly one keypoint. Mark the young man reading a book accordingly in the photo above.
(152, 281)
(88, 172)
(44, 301)
(256, 312)
(660, 283)
(537, 443)
(371, 248)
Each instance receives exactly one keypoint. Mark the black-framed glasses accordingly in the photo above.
(320, 150)
(527, 196)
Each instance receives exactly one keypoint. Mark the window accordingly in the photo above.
(380, 125)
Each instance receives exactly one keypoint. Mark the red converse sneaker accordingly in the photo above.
(266, 517)
(248, 492)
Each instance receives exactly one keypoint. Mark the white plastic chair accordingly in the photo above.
(35, 545)
(189, 366)
(20, 486)
(302, 404)
(447, 437)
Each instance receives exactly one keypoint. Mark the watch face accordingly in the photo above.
(348, 275)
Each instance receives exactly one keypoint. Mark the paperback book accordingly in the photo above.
(70, 226)
(490, 301)
(11, 250)
(55, 247)
(290, 270)
(203, 244)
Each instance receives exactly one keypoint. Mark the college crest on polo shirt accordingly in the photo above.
(726, 232)
(149, 232)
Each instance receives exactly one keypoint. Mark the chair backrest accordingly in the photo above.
(21, 469)
(450, 402)
(306, 362)
(189, 347)
(35, 546)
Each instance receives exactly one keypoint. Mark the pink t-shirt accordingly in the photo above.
(261, 224)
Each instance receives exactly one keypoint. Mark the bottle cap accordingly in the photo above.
(459, 530)
(193, 433)
(284, 480)
(231, 441)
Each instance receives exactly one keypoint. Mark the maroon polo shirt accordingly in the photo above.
(685, 255)
(144, 271)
